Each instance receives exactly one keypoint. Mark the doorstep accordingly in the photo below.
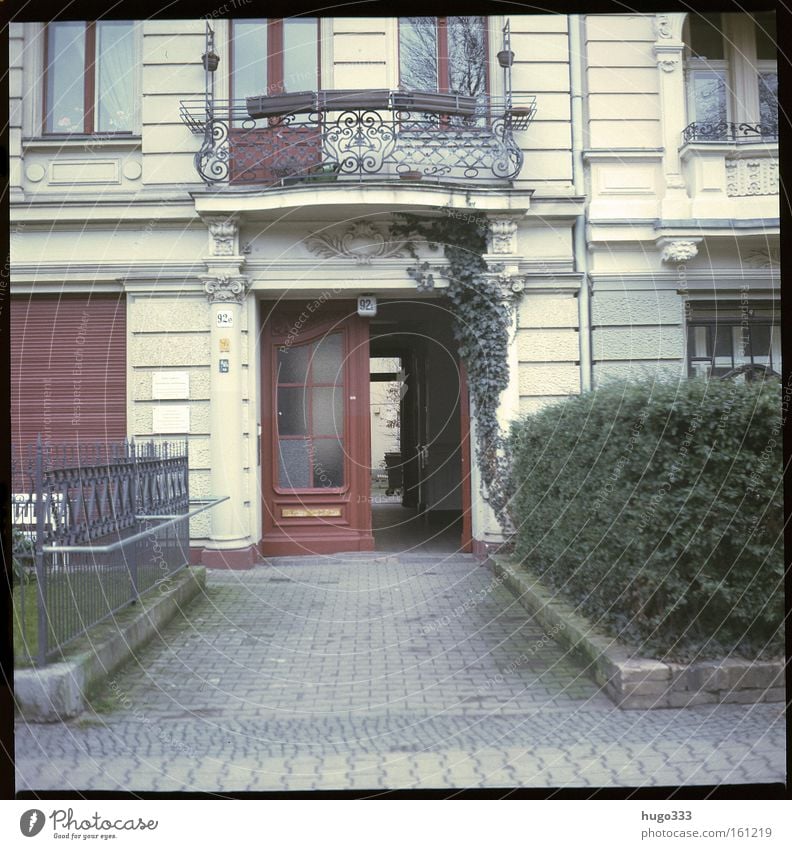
(58, 690)
(634, 682)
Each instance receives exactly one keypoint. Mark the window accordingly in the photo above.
(732, 72)
(90, 77)
(766, 68)
(447, 54)
(274, 56)
(723, 337)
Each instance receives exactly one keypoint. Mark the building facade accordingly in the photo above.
(198, 209)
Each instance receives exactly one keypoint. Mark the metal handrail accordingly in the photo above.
(106, 549)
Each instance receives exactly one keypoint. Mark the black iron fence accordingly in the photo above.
(94, 527)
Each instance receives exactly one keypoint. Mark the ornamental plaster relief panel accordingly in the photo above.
(750, 177)
(363, 242)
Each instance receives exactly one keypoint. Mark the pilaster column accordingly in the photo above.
(230, 544)
(507, 285)
(669, 52)
(503, 262)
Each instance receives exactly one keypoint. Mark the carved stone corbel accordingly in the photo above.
(502, 235)
(223, 234)
(679, 250)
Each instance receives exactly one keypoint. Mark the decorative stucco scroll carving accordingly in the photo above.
(508, 283)
(226, 289)
(663, 26)
(747, 177)
(667, 65)
(767, 258)
(363, 242)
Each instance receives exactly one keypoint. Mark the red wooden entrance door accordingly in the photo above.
(315, 431)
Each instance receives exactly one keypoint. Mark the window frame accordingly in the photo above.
(740, 66)
(443, 56)
(739, 319)
(274, 54)
(89, 72)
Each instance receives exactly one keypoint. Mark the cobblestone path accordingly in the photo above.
(373, 672)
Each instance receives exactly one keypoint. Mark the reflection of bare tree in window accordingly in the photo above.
(418, 53)
(466, 69)
(467, 59)
(710, 96)
(768, 99)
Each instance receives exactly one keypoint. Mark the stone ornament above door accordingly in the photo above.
(226, 290)
(362, 242)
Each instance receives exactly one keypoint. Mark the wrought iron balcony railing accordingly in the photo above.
(330, 136)
(723, 131)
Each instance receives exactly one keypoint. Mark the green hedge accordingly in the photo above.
(657, 510)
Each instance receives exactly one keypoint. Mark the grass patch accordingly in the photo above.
(80, 597)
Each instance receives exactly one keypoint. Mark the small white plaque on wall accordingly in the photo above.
(171, 418)
(170, 385)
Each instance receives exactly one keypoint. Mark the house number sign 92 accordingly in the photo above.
(367, 306)
(225, 318)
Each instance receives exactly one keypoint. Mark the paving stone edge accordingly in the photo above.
(58, 691)
(634, 682)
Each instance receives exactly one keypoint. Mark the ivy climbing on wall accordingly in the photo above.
(482, 324)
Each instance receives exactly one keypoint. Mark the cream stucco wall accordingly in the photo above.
(132, 214)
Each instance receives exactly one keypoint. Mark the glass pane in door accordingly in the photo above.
(328, 411)
(294, 464)
(328, 463)
(327, 360)
(292, 415)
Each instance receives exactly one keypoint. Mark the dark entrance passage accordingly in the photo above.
(424, 502)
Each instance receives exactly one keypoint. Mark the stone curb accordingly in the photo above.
(58, 691)
(636, 682)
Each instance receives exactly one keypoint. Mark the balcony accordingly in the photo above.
(731, 170)
(724, 131)
(356, 136)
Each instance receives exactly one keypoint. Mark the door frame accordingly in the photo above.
(314, 531)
